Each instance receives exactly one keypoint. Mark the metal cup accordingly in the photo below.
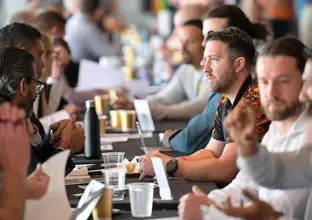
(115, 119)
(103, 124)
(103, 210)
(102, 104)
(128, 120)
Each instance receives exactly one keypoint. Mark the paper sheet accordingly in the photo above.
(107, 139)
(93, 186)
(164, 189)
(55, 204)
(144, 115)
(94, 76)
(138, 87)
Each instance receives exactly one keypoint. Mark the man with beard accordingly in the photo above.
(273, 170)
(279, 71)
(228, 60)
(29, 39)
(187, 93)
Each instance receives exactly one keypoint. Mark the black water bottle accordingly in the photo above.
(92, 148)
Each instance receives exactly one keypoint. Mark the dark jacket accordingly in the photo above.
(45, 150)
(197, 134)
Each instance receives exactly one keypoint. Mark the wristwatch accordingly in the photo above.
(172, 167)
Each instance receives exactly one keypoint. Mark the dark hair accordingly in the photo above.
(237, 18)
(19, 35)
(47, 20)
(89, 6)
(59, 41)
(21, 17)
(15, 64)
(195, 22)
(287, 46)
(238, 42)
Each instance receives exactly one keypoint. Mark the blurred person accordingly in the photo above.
(198, 132)
(49, 106)
(28, 38)
(62, 92)
(279, 70)
(26, 17)
(14, 160)
(228, 61)
(187, 93)
(280, 14)
(53, 25)
(305, 21)
(232, 16)
(86, 40)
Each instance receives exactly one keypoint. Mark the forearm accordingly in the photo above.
(12, 195)
(287, 170)
(200, 155)
(216, 170)
(187, 109)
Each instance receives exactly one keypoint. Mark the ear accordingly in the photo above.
(23, 87)
(239, 64)
(53, 30)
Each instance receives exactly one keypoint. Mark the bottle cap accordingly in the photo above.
(90, 104)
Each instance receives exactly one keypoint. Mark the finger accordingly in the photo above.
(249, 196)
(6, 115)
(55, 126)
(141, 158)
(14, 115)
(72, 121)
(197, 191)
(59, 130)
(142, 176)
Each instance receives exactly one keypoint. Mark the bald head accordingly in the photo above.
(191, 12)
(25, 17)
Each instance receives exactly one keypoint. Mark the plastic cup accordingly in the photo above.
(141, 199)
(113, 159)
(115, 178)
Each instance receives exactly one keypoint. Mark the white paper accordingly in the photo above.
(164, 189)
(138, 87)
(107, 139)
(144, 115)
(93, 186)
(128, 135)
(94, 76)
(55, 204)
(106, 147)
(46, 121)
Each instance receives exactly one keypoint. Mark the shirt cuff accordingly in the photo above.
(253, 161)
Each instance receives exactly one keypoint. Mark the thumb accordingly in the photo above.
(72, 121)
(249, 196)
(197, 191)
(39, 171)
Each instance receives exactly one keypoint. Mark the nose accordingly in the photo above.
(272, 90)
(204, 42)
(304, 96)
(206, 66)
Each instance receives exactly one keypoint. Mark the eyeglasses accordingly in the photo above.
(40, 86)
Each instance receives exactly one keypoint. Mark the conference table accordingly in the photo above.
(132, 148)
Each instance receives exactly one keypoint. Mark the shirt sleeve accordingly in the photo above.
(279, 170)
(100, 45)
(234, 189)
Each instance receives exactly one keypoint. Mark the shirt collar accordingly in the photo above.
(241, 92)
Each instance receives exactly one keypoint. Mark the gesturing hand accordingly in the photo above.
(259, 210)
